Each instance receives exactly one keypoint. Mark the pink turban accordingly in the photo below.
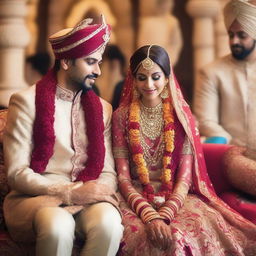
(244, 12)
(82, 40)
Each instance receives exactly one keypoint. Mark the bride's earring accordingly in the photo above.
(136, 94)
(164, 94)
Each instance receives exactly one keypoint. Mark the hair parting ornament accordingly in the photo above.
(147, 63)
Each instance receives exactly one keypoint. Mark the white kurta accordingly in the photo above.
(70, 144)
(29, 188)
(222, 98)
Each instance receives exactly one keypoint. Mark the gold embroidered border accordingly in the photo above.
(120, 152)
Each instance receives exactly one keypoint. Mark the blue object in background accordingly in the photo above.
(216, 140)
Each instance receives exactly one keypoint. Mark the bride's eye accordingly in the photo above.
(155, 78)
(141, 77)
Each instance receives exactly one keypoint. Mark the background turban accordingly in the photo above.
(244, 12)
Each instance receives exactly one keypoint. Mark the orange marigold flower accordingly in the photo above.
(166, 160)
(169, 140)
(144, 178)
(144, 170)
(134, 132)
(138, 159)
(166, 177)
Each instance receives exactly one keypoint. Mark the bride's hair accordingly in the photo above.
(156, 54)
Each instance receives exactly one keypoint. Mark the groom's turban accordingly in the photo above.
(80, 41)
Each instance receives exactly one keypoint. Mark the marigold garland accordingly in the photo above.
(137, 150)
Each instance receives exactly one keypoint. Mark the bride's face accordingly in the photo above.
(150, 84)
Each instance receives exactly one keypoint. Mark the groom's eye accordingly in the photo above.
(90, 61)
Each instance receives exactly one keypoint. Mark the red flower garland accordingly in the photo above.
(43, 130)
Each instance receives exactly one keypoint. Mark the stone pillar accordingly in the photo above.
(222, 41)
(123, 28)
(56, 20)
(158, 25)
(13, 41)
(203, 12)
(32, 26)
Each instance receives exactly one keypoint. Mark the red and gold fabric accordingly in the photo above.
(200, 222)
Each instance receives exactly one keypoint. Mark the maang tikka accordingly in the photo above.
(147, 63)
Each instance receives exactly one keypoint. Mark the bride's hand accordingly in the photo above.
(159, 234)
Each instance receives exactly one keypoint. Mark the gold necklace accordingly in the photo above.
(153, 157)
(151, 120)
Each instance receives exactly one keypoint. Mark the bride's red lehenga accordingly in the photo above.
(200, 223)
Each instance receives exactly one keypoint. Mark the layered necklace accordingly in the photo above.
(138, 154)
(151, 120)
(151, 126)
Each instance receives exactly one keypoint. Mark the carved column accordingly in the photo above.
(56, 19)
(222, 42)
(158, 25)
(123, 29)
(32, 26)
(203, 12)
(13, 40)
